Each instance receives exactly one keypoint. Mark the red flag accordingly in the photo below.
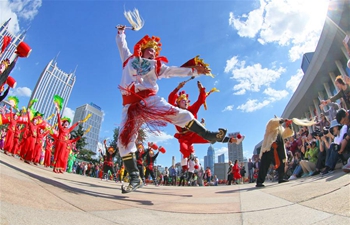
(7, 40)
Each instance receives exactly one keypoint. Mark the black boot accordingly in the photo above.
(134, 179)
(195, 126)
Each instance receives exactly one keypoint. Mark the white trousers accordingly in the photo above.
(180, 118)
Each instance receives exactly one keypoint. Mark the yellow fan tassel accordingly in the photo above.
(208, 93)
(50, 117)
(87, 130)
(86, 118)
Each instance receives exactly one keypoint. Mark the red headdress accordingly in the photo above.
(182, 96)
(147, 42)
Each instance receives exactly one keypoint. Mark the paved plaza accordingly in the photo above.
(35, 195)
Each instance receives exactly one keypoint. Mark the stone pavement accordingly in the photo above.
(35, 195)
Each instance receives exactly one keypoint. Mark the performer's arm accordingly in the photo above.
(201, 99)
(74, 126)
(59, 121)
(173, 71)
(156, 155)
(332, 99)
(172, 95)
(75, 139)
(122, 45)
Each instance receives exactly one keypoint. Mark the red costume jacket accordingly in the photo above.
(188, 138)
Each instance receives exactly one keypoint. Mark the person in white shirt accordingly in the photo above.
(337, 133)
(166, 176)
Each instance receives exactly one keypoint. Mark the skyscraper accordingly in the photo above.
(221, 158)
(52, 81)
(235, 151)
(211, 158)
(9, 53)
(94, 121)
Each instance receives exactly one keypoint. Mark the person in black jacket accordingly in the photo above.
(229, 173)
(108, 163)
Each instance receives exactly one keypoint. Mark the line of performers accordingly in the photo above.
(28, 135)
(145, 158)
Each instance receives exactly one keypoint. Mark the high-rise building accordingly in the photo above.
(9, 53)
(94, 121)
(221, 158)
(221, 170)
(211, 158)
(52, 81)
(235, 151)
(205, 162)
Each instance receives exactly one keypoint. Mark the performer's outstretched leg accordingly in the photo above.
(195, 126)
(135, 181)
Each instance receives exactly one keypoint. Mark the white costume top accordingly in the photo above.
(142, 72)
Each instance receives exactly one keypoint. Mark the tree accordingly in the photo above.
(86, 155)
(83, 154)
(140, 138)
(81, 143)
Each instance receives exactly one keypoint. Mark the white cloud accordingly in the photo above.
(294, 81)
(294, 23)
(228, 108)
(250, 24)
(21, 91)
(16, 10)
(251, 77)
(103, 115)
(158, 137)
(253, 104)
(68, 112)
(274, 94)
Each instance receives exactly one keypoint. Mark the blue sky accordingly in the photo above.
(254, 49)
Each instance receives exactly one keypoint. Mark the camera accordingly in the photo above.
(319, 133)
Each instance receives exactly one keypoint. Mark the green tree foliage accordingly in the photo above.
(83, 154)
(86, 155)
(140, 138)
(81, 143)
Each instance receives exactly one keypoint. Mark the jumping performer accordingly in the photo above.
(139, 88)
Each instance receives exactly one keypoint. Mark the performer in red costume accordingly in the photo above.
(63, 159)
(142, 105)
(33, 133)
(140, 153)
(62, 141)
(41, 134)
(108, 163)
(12, 121)
(186, 137)
(48, 152)
(24, 141)
(16, 140)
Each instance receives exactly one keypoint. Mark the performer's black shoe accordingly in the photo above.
(259, 185)
(135, 180)
(195, 126)
(282, 181)
(135, 183)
